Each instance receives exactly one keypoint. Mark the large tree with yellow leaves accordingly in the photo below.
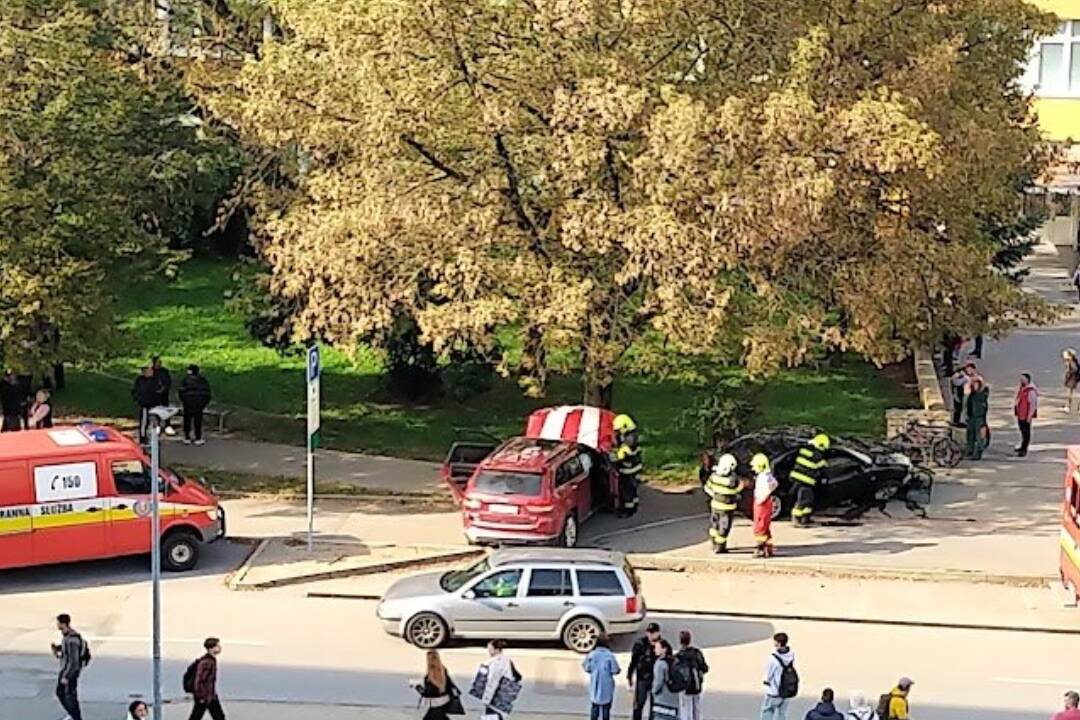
(762, 180)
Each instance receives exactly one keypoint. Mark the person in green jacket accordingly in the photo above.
(978, 405)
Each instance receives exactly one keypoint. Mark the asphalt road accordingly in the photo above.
(282, 646)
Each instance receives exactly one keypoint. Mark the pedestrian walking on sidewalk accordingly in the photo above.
(978, 407)
(640, 672)
(1026, 410)
(603, 668)
(860, 709)
(1076, 281)
(137, 710)
(194, 395)
(205, 687)
(439, 697)
(73, 654)
(825, 710)
(1072, 376)
(691, 662)
(1072, 707)
(664, 702)
(499, 668)
(781, 680)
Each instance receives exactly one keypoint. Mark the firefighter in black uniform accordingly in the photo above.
(627, 458)
(808, 472)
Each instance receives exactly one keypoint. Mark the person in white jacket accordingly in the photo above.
(499, 666)
(137, 710)
(775, 706)
(860, 709)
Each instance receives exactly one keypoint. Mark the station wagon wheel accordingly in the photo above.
(570, 532)
(426, 631)
(581, 634)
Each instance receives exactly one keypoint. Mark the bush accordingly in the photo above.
(467, 375)
(721, 416)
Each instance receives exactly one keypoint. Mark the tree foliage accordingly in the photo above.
(101, 165)
(761, 180)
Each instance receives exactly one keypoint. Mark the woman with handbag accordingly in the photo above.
(439, 697)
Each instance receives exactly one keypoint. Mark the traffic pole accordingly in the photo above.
(310, 491)
(155, 557)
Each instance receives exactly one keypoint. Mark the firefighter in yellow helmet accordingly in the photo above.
(764, 486)
(808, 471)
(627, 459)
(723, 488)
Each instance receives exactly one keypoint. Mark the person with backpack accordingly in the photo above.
(640, 672)
(825, 710)
(73, 654)
(691, 666)
(200, 681)
(781, 680)
(893, 705)
(603, 668)
(666, 688)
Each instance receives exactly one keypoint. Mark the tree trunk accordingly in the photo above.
(598, 394)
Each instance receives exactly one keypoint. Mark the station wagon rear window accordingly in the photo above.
(498, 482)
(598, 582)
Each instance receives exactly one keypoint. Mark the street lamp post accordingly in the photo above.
(158, 416)
(155, 556)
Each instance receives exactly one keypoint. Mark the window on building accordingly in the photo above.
(1057, 61)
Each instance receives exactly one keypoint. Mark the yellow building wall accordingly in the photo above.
(1066, 9)
(1059, 118)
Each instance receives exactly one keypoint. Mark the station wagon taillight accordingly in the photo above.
(631, 605)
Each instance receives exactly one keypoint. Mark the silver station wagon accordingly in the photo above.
(526, 593)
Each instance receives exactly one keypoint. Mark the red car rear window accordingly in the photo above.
(499, 482)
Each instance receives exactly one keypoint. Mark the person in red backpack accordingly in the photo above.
(205, 694)
(1026, 409)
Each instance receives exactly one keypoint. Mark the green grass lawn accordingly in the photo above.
(187, 320)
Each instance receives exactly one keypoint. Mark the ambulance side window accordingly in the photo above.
(132, 477)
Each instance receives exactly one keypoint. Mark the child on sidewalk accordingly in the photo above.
(764, 485)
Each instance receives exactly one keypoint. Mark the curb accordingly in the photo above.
(669, 563)
(236, 582)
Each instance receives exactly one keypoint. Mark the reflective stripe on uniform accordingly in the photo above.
(802, 477)
(798, 512)
(717, 537)
(720, 506)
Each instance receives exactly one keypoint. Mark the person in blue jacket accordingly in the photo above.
(603, 668)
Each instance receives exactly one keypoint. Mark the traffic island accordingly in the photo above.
(281, 561)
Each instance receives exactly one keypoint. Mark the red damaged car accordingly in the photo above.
(540, 487)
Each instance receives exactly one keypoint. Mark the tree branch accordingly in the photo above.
(432, 159)
(514, 195)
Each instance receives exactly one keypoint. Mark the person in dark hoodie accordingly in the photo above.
(206, 696)
(640, 672)
(825, 710)
(163, 380)
(11, 401)
(145, 394)
(194, 396)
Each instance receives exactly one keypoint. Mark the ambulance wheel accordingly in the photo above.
(179, 552)
(569, 536)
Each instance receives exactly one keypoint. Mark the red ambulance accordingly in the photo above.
(83, 493)
(1070, 525)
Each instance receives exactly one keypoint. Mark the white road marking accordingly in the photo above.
(170, 641)
(1034, 681)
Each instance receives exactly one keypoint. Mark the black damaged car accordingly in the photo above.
(860, 475)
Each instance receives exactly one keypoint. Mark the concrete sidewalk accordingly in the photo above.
(258, 458)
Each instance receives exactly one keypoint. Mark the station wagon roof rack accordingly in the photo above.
(556, 555)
